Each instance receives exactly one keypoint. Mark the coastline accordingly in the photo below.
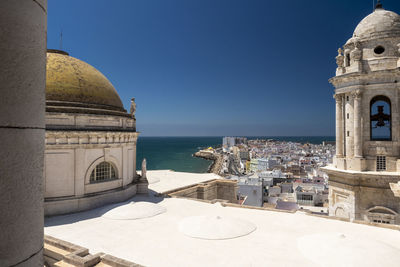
(216, 165)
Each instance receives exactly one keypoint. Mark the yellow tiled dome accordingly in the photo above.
(75, 86)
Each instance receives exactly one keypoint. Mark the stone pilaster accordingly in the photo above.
(349, 126)
(339, 125)
(357, 125)
(398, 61)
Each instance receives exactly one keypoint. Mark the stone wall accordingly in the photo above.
(74, 121)
(216, 189)
(58, 206)
(61, 253)
(353, 195)
(70, 158)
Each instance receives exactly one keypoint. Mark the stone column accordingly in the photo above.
(339, 125)
(357, 124)
(135, 175)
(22, 109)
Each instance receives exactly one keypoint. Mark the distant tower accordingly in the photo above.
(367, 94)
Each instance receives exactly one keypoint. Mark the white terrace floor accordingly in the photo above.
(279, 238)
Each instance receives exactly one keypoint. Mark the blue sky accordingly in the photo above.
(215, 67)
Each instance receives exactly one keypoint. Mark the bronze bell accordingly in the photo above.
(380, 117)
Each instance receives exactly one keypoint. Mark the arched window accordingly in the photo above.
(103, 172)
(381, 119)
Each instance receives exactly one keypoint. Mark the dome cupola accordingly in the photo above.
(73, 86)
(374, 46)
(379, 24)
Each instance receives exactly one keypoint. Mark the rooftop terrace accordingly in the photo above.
(184, 232)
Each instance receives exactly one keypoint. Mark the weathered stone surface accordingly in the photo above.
(69, 79)
(381, 23)
(22, 52)
(218, 189)
(358, 188)
(22, 48)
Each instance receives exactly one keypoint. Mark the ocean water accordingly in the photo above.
(175, 153)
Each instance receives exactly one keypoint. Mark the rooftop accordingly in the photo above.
(177, 236)
(166, 180)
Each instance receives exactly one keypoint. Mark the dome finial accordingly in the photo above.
(379, 5)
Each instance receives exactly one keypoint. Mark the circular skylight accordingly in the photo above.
(134, 211)
(215, 227)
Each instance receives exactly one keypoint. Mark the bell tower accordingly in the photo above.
(367, 122)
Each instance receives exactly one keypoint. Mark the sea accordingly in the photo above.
(175, 153)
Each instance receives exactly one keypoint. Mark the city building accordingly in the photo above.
(367, 122)
(147, 229)
(252, 190)
(310, 194)
(229, 142)
(90, 153)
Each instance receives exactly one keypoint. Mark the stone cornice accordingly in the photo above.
(376, 77)
(361, 178)
(79, 137)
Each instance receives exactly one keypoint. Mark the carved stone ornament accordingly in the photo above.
(144, 169)
(133, 108)
(356, 94)
(338, 97)
(340, 58)
(356, 44)
(356, 54)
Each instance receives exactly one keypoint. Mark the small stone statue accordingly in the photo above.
(356, 54)
(398, 45)
(340, 58)
(133, 108)
(357, 44)
(144, 170)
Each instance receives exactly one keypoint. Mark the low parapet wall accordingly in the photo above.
(61, 253)
(205, 192)
(215, 189)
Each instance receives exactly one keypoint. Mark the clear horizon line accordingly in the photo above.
(236, 136)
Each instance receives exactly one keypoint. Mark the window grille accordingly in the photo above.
(103, 172)
(381, 163)
(306, 197)
(381, 221)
